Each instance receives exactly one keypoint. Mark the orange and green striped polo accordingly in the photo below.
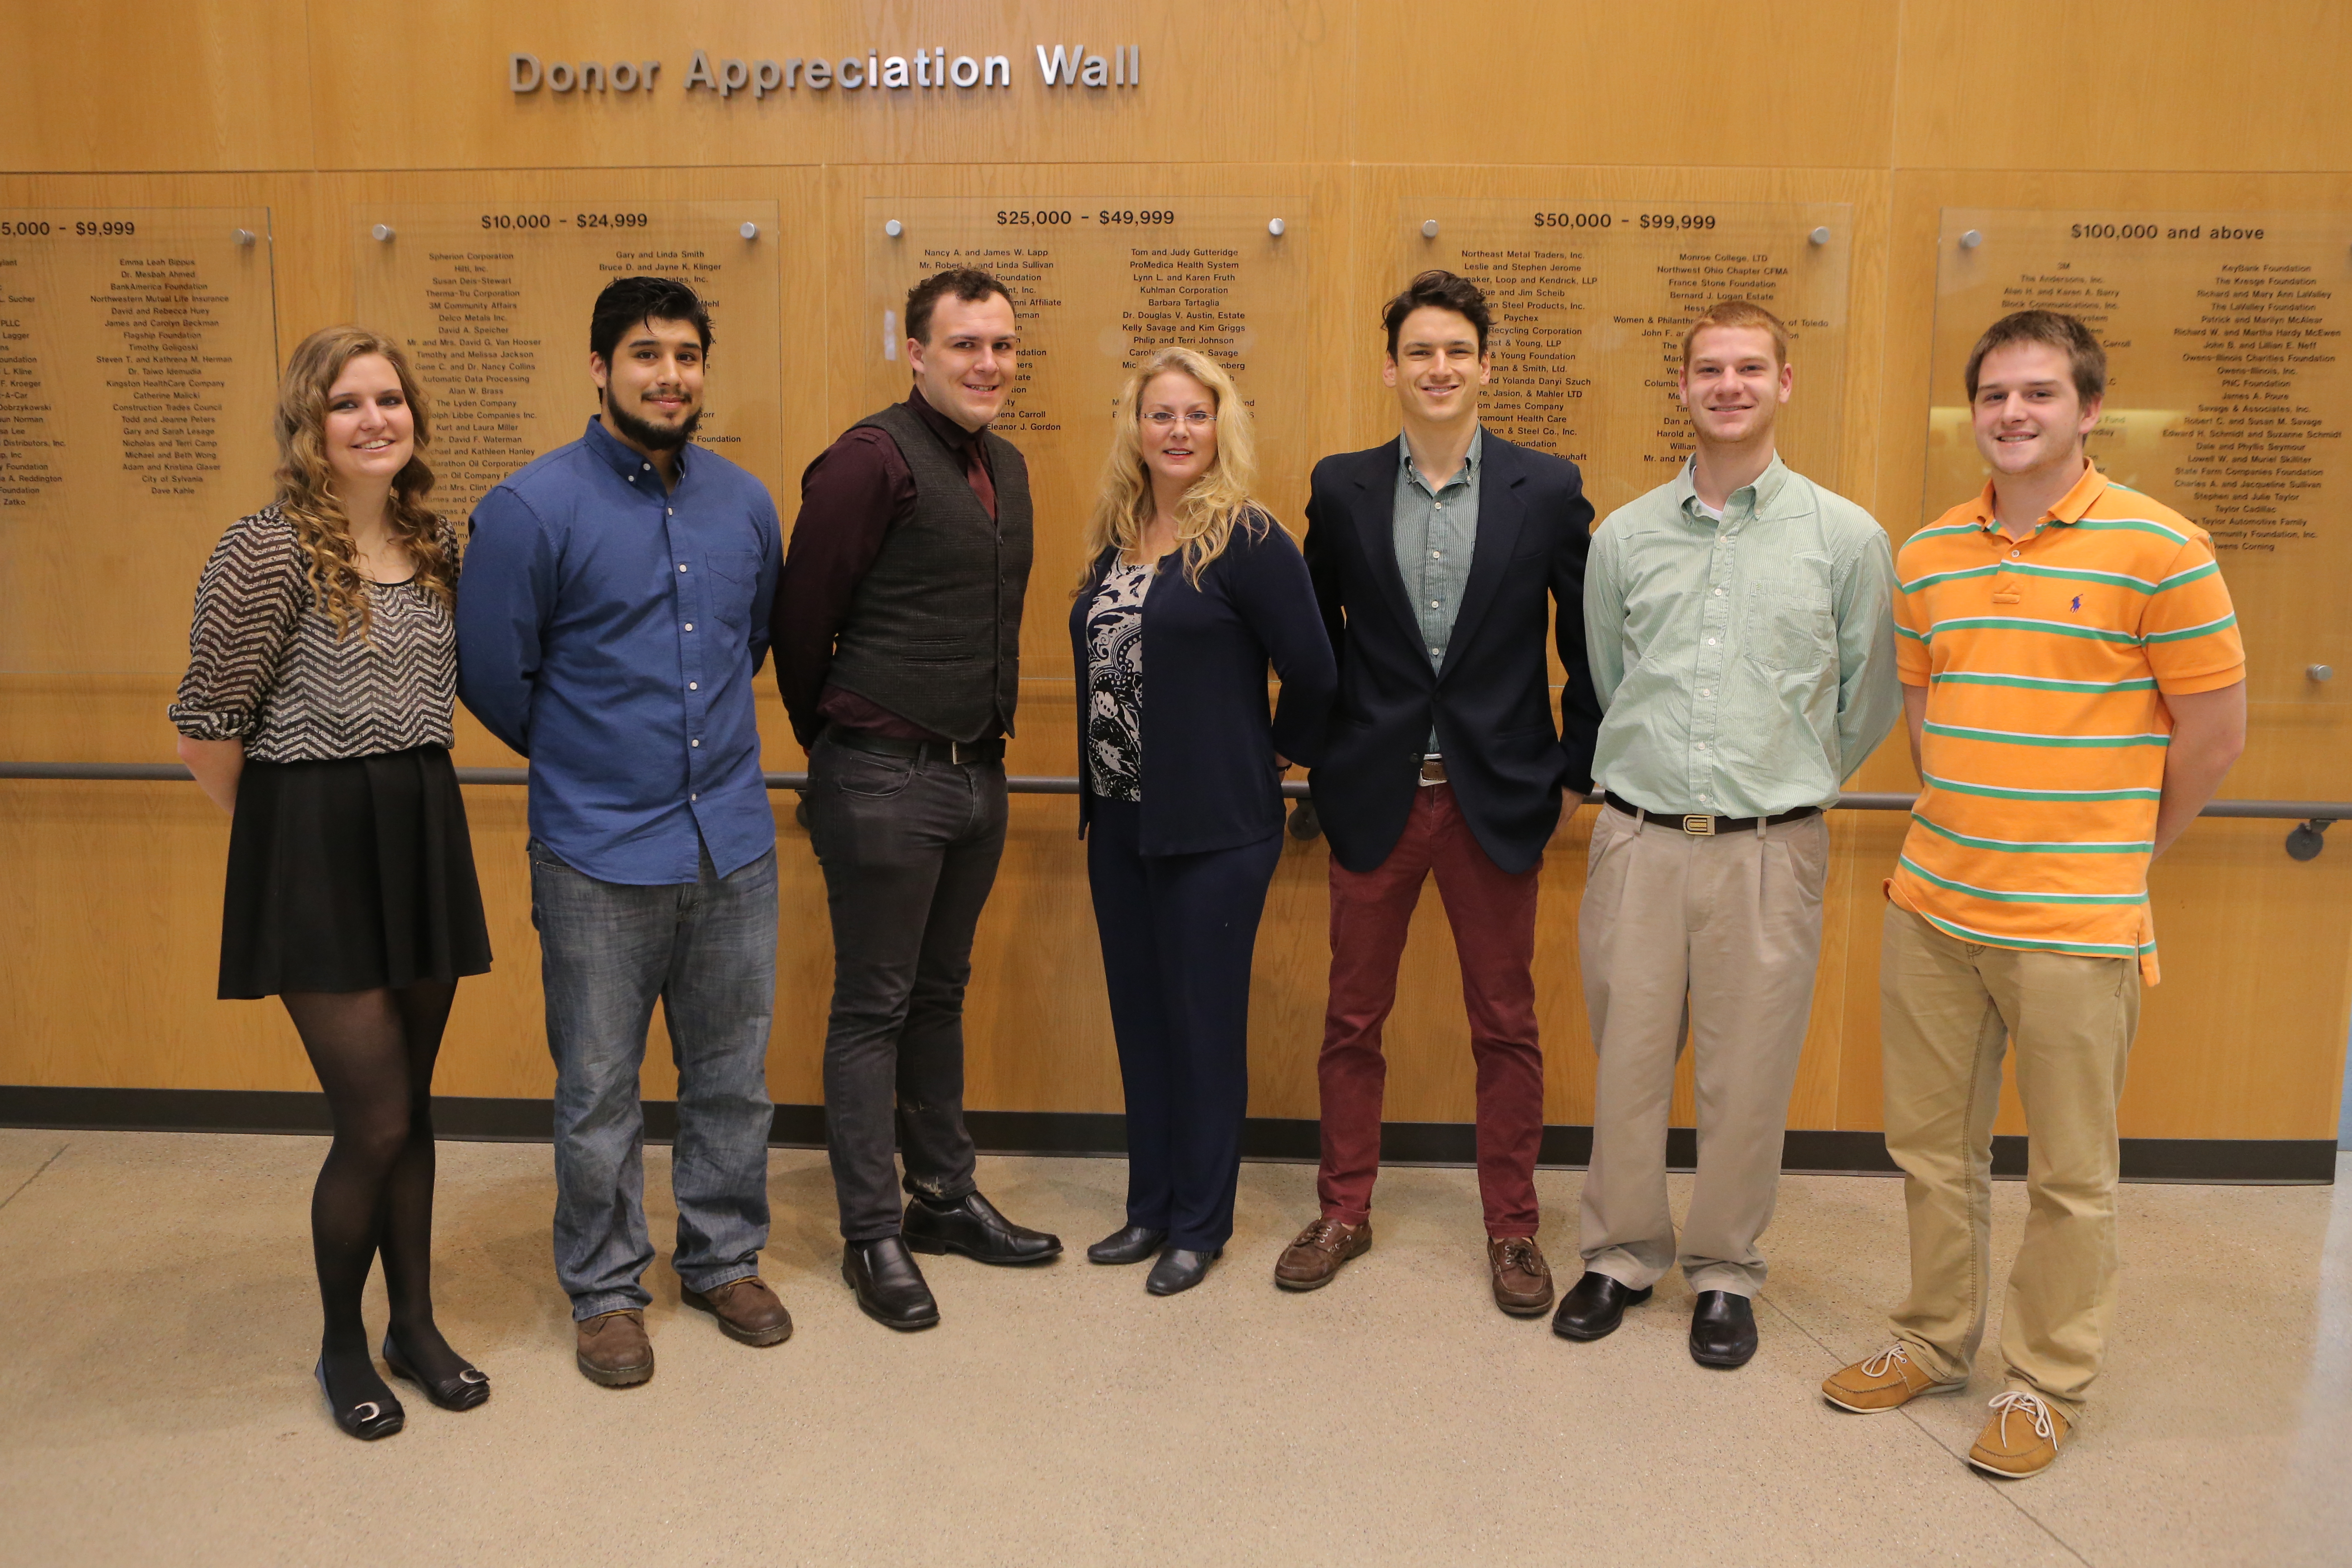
(2045, 662)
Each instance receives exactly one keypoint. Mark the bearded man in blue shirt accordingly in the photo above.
(612, 615)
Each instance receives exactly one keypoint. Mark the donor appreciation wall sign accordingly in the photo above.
(2227, 395)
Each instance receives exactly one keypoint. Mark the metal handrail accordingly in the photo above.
(2316, 814)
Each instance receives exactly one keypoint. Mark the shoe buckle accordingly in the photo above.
(1699, 827)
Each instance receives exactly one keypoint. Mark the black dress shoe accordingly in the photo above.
(971, 1224)
(1180, 1269)
(890, 1289)
(1593, 1307)
(1130, 1244)
(462, 1391)
(1722, 1330)
(368, 1419)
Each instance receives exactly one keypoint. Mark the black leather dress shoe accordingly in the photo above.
(971, 1224)
(1722, 1330)
(1180, 1269)
(890, 1289)
(1593, 1307)
(462, 1392)
(1129, 1244)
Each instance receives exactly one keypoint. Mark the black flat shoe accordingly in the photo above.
(1593, 1307)
(366, 1420)
(1722, 1330)
(462, 1391)
(1180, 1269)
(889, 1287)
(971, 1224)
(1129, 1244)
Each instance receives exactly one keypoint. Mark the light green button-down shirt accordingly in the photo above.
(1436, 530)
(1745, 666)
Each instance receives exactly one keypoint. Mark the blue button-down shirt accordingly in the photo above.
(609, 631)
(1436, 531)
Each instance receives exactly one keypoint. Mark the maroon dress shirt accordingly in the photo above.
(851, 497)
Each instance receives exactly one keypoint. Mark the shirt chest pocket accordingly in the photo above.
(731, 582)
(1787, 623)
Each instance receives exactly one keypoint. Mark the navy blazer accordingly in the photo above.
(1491, 702)
(1209, 776)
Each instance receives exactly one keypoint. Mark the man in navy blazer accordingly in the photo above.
(1440, 561)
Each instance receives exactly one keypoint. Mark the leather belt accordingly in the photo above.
(1433, 769)
(1709, 826)
(956, 751)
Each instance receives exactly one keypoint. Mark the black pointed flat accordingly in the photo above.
(1180, 1269)
(1131, 1244)
(462, 1391)
(367, 1420)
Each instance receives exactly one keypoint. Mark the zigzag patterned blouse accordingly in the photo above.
(266, 668)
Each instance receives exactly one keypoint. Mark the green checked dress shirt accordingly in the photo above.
(1745, 665)
(1436, 531)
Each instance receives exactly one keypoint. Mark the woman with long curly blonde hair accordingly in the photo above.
(1180, 791)
(316, 712)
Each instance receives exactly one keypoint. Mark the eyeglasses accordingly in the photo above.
(1196, 418)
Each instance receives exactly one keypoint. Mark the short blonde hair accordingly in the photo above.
(1739, 314)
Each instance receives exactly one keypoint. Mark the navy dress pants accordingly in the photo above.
(1178, 933)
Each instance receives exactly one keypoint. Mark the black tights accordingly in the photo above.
(374, 1051)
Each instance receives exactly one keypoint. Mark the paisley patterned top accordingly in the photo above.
(1115, 683)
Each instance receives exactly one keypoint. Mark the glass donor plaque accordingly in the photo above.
(491, 302)
(2227, 392)
(1591, 300)
(137, 370)
(1097, 283)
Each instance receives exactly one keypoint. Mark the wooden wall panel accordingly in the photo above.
(1357, 106)
(128, 84)
(2124, 84)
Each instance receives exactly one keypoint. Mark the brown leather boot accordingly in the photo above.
(747, 1311)
(1522, 1278)
(1309, 1262)
(613, 1349)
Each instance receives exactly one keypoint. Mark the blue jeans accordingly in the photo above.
(708, 950)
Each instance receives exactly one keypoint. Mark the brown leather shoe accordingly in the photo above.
(613, 1349)
(1522, 1278)
(2023, 1438)
(1309, 1262)
(747, 1311)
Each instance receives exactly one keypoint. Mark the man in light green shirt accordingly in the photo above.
(1739, 622)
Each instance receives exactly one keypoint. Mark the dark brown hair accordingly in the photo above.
(1739, 314)
(1441, 290)
(969, 284)
(2058, 329)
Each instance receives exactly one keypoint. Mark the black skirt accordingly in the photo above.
(349, 875)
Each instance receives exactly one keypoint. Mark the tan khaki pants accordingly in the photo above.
(1721, 935)
(1949, 1008)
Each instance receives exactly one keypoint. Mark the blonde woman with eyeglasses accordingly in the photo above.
(1190, 592)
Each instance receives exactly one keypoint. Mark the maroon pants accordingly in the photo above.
(1493, 914)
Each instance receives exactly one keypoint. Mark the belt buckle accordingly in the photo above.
(1432, 764)
(1699, 827)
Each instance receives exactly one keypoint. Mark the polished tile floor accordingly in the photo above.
(155, 1401)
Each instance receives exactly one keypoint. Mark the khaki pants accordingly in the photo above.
(1721, 936)
(1949, 1009)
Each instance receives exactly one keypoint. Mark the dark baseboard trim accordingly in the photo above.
(2232, 1161)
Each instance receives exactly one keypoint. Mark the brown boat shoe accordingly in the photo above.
(1309, 1262)
(613, 1349)
(1887, 1381)
(2023, 1438)
(1522, 1278)
(747, 1311)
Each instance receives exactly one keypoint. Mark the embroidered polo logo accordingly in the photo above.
(2078, 602)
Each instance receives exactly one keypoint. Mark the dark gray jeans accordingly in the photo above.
(707, 949)
(909, 849)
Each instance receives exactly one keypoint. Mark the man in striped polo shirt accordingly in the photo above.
(2074, 686)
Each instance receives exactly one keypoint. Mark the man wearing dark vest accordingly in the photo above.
(897, 639)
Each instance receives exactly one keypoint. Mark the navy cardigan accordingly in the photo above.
(1209, 776)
